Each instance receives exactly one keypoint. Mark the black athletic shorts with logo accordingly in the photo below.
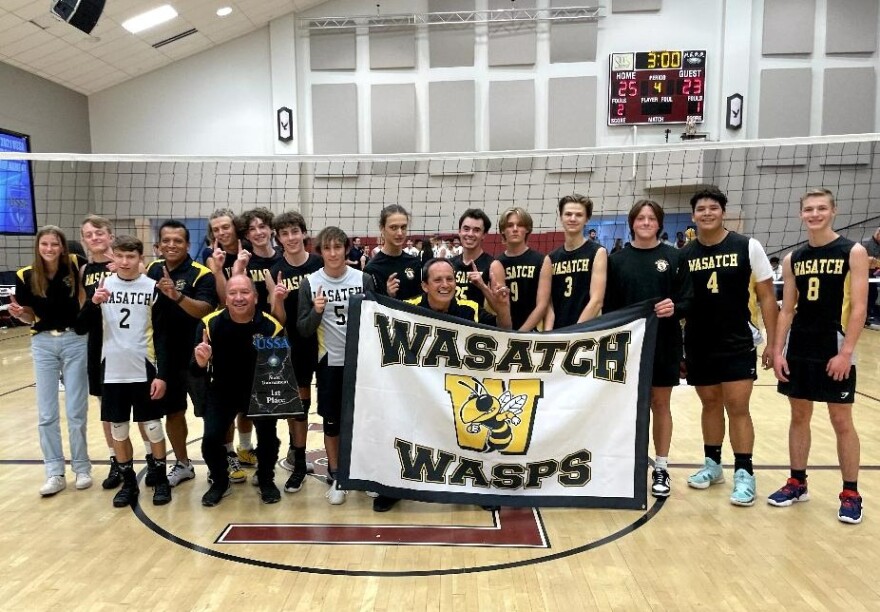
(807, 354)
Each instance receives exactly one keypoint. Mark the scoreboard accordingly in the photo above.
(656, 87)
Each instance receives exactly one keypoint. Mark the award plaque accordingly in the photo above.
(275, 393)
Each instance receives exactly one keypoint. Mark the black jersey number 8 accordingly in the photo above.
(126, 312)
(340, 314)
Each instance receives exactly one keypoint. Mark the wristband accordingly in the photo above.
(180, 299)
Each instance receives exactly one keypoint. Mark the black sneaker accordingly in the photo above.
(269, 493)
(294, 483)
(215, 494)
(126, 496)
(114, 477)
(661, 486)
(150, 479)
(383, 503)
(162, 493)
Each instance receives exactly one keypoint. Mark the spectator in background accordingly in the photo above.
(356, 258)
(618, 245)
(593, 236)
(872, 245)
(665, 239)
(777, 276)
(680, 240)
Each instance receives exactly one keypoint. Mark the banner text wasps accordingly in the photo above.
(416, 344)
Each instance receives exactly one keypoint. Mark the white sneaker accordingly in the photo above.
(372, 494)
(179, 472)
(335, 495)
(54, 484)
(83, 480)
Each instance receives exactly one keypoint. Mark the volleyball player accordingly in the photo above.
(256, 263)
(188, 294)
(579, 268)
(224, 228)
(394, 272)
(397, 274)
(135, 361)
(289, 271)
(227, 342)
(48, 296)
(97, 234)
(720, 353)
(323, 309)
(824, 306)
(653, 270)
(473, 265)
(528, 272)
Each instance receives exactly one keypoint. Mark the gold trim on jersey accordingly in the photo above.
(846, 308)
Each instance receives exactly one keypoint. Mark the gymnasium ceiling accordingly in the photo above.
(33, 40)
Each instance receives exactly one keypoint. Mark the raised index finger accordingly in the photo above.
(205, 338)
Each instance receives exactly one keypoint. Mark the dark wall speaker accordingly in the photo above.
(81, 14)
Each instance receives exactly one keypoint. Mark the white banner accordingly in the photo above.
(441, 409)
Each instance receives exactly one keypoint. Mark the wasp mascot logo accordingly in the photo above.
(491, 416)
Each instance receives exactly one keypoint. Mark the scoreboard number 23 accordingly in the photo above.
(665, 86)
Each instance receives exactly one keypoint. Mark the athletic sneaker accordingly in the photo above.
(236, 474)
(255, 480)
(288, 462)
(54, 484)
(215, 494)
(269, 493)
(294, 483)
(83, 480)
(114, 477)
(743, 493)
(710, 474)
(850, 507)
(161, 494)
(792, 491)
(335, 495)
(179, 473)
(247, 456)
(383, 503)
(127, 495)
(372, 494)
(150, 479)
(661, 485)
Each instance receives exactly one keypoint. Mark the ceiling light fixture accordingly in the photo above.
(223, 12)
(150, 19)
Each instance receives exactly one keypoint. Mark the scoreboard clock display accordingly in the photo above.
(656, 87)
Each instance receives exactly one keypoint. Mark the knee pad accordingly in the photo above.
(331, 429)
(119, 431)
(154, 431)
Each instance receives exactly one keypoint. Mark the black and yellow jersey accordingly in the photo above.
(570, 287)
(822, 278)
(523, 275)
(722, 317)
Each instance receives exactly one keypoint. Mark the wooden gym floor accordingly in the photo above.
(74, 551)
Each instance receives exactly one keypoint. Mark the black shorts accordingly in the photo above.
(181, 383)
(329, 380)
(808, 380)
(706, 370)
(122, 401)
(304, 357)
(667, 366)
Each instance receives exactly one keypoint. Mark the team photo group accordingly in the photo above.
(150, 339)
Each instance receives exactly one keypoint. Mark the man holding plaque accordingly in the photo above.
(230, 342)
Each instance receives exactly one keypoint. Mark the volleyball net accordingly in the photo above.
(763, 180)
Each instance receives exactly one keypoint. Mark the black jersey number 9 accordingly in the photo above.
(339, 310)
(126, 312)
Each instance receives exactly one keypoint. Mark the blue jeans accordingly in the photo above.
(53, 355)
